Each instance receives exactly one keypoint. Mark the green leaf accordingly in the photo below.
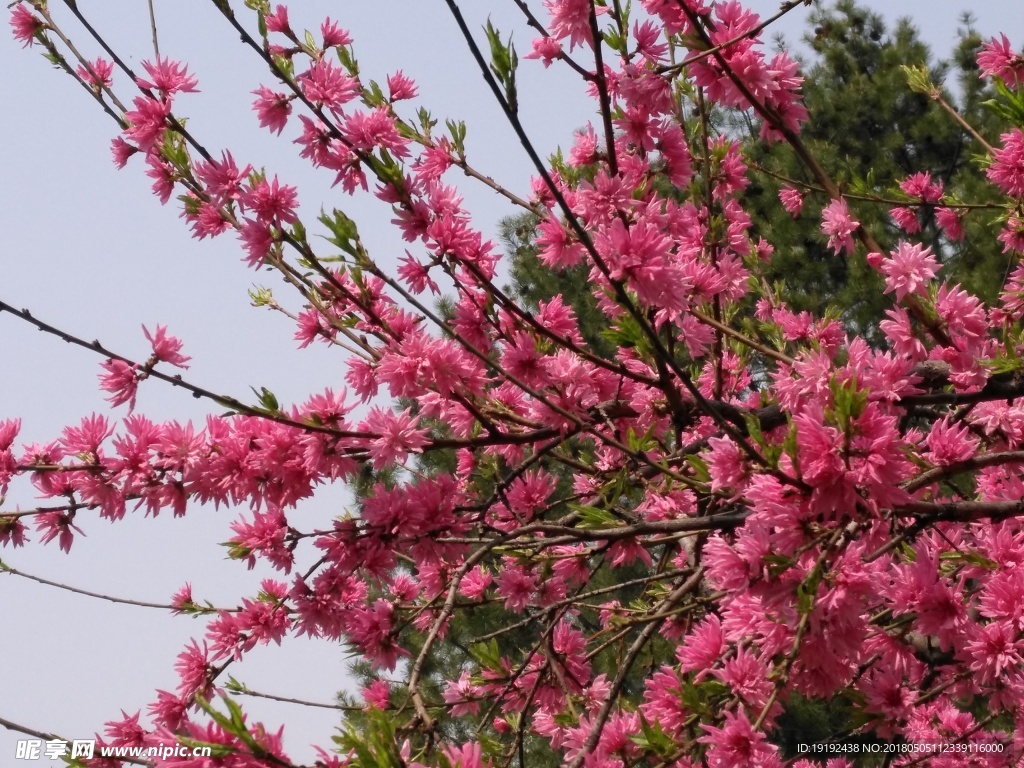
(918, 79)
(373, 96)
(971, 557)
(268, 401)
(1009, 105)
(807, 592)
(348, 61)
(653, 738)
(503, 64)
(457, 131)
(345, 233)
(487, 655)
(699, 467)
(426, 121)
(593, 517)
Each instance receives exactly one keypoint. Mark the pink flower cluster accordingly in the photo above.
(644, 557)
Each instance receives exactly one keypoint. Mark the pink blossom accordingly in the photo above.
(906, 219)
(518, 586)
(996, 652)
(674, 150)
(401, 87)
(900, 333)
(9, 429)
(571, 19)
(122, 382)
(206, 220)
(87, 438)
(737, 743)
(463, 696)
(182, 599)
(121, 150)
(703, 646)
(998, 59)
(921, 185)
(25, 25)
(223, 178)
(333, 35)
(272, 109)
(839, 225)
(147, 122)
(649, 41)
(272, 202)
(726, 465)
(951, 221)
(264, 536)
(398, 436)
(1012, 235)
(378, 694)
(435, 160)
(557, 249)
(99, 73)
(547, 49)
(166, 349)
(125, 732)
(791, 200)
(257, 239)
(965, 316)
(12, 529)
(748, 676)
(168, 77)
(277, 21)
(329, 85)
(949, 443)
(1007, 168)
(909, 270)
(468, 755)
(169, 711)
(368, 130)
(57, 525)
(266, 620)
(416, 275)
(163, 175)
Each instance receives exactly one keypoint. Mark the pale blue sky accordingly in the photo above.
(88, 248)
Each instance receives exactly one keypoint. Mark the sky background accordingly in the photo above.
(88, 248)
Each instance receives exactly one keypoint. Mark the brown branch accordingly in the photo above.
(5, 568)
(176, 380)
(977, 462)
(627, 664)
(243, 690)
(18, 728)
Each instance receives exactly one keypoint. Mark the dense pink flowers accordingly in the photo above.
(639, 550)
